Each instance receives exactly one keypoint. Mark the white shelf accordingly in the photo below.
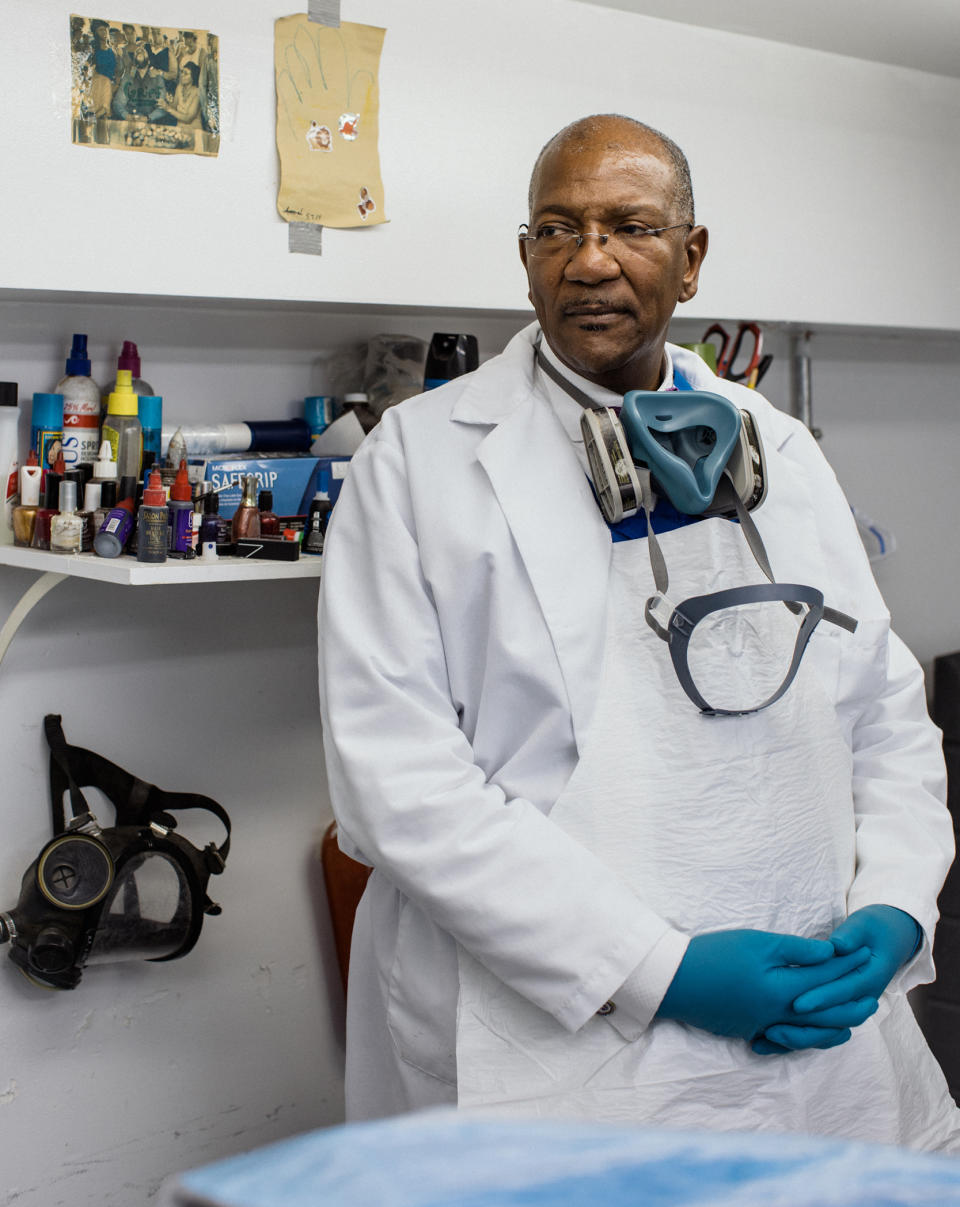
(129, 572)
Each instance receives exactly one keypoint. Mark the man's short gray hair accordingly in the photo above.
(586, 129)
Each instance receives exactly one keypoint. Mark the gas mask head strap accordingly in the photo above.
(136, 802)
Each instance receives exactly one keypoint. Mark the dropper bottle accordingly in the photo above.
(182, 542)
(153, 528)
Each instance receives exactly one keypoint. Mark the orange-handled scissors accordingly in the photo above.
(728, 352)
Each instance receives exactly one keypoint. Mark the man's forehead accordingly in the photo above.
(639, 167)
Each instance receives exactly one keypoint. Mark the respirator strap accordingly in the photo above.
(727, 493)
(136, 802)
(568, 387)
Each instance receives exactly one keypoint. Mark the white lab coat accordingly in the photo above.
(461, 632)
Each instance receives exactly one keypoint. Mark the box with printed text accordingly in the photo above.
(293, 480)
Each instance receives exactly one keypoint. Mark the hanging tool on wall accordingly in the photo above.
(734, 361)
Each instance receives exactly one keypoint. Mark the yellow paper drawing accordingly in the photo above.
(327, 122)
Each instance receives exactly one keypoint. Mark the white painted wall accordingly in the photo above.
(828, 181)
(212, 689)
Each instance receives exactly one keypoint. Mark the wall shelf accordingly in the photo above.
(129, 572)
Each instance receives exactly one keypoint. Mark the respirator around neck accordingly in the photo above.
(689, 440)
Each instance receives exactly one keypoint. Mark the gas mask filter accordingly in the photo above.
(689, 440)
(132, 891)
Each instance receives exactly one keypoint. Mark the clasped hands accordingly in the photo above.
(785, 993)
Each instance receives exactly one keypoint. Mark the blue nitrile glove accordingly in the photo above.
(825, 1029)
(740, 982)
(890, 935)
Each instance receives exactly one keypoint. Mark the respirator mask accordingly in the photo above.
(132, 891)
(735, 651)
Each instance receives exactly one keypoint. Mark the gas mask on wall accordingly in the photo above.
(132, 891)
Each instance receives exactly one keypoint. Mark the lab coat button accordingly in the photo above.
(606, 1008)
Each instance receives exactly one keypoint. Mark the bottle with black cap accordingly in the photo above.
(449, 356)
(9, 466)
(50, 506)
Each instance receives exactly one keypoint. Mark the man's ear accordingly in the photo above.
(695, 246)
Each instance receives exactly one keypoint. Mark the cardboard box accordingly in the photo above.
(294, 480)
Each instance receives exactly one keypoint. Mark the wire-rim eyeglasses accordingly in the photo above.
(552, 239)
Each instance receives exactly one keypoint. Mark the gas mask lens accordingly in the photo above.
(147, 914)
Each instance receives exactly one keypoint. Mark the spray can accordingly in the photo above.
(46, 428)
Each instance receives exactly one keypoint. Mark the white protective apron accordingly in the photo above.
(717, 823)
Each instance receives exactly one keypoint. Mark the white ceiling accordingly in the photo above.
(924, 34)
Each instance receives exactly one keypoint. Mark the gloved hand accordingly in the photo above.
(742, 982)
(891, 937)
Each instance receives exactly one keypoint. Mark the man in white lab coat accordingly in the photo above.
(589, 899)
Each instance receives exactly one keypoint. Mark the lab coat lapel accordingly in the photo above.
(562, 539)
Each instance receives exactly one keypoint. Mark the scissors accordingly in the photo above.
(728, 353)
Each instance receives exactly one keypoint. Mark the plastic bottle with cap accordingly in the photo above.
(25, 513)
(150, 414)
(316, 526)
(104, 468)
(122, 427)
(9, 465)
(81, 407)
(181, 515)
(129, 361)
(153, 525)
(66, 527)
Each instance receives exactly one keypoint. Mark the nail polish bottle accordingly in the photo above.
(116, 529)
(91, 501)
(108, 500)
(25, 516)
(47, 510)
(269, 520)
(246, 519)
(66, 527)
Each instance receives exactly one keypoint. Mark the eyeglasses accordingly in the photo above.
(552, 240)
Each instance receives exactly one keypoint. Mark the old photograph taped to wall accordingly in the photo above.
(144, 87)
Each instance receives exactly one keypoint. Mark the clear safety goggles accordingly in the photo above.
(735, 651)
